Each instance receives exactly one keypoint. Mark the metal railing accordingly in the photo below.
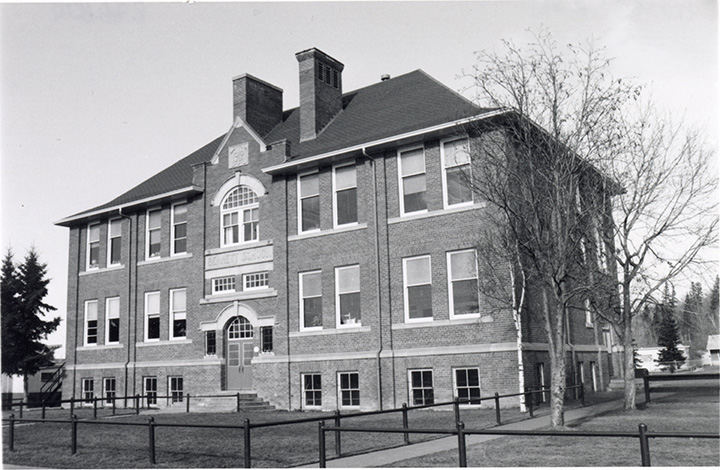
(674, 377)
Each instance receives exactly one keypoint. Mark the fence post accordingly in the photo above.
(21, 407)
(187, 404)
(529, 403)
(151, 437)
(72, 406)
(43, 409)
(406, 435)
(644, 446)
(461, 444)
(238, 403)
(456, 405)
(137, 404)
(338, 442)
(113, 405)
(94, 408)
(321, 443)
(73, 435)
(11, 432)
(497, 407)
(246, 441)
(582, 394)
(646, 386)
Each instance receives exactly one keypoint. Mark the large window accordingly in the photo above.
(463, 283)
(88, 391)
(150, 390)
(309, 202)
(152, 316)
(178, 313)
(109, 390)
(93, 248)
(240, 216)
(311, 300)
(153, 235)
(467, 385)
(345, 191)
(91, 322)
(312, 390)
(457, 175)
(114, 241)
(179, 229)
(349, 387)
(421, 387)
(418, 288)
(175, 387)
(347, 301)
(112, 320)
(412, 181)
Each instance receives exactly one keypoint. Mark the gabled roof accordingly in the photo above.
(393, 107)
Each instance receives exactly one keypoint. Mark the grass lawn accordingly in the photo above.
(693, 408)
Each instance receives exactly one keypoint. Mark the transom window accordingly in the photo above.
(463, 283)
(240, 328)
(223, 284)
(255, 281)
(457, 174)
(240, 216)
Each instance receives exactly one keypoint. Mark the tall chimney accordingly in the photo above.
(257, 102)
(320, 91)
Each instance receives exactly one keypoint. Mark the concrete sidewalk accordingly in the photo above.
(385, 458)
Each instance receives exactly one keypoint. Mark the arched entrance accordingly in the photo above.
(239, 354)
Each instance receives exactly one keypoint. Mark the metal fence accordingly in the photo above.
(674, 377)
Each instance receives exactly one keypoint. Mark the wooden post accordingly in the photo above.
(11, 432)
(497, 408)
(646, 386)
(644, 446)
(461, 444)
(73, 435)
(21, 407)
(246, 441)
(321, 443)
(113, 405)
(137, 404)
(187, 403)
(406, 435)
(94, 408)
(151, 438)
(238, 402)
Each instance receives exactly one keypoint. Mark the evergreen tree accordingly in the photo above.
(670, 357)
(714, 309)
(23, 291)
(692, 324)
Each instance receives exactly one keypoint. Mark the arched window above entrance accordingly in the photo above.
(240, 328)
(239, 216)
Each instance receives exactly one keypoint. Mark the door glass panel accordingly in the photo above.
(233, 355)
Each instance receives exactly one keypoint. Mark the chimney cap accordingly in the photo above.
(384, 77)
(247, 76)
(316, 53)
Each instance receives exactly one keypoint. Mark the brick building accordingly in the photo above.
(322, 257)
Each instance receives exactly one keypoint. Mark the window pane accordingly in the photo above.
(311, 213)
(461, 377)
(94, 254)
(462, 265)
(94, 233)
(91, 311)
(153, 303)
(459, 187)
(420, 301)
(114, 333)
(347, 206)
(417, 271)
(178, 300)
(312, 311)
(180, 213)
(348, 279)
(412, 162)
(354, 378)
(344, 381)
(473, 377)
(115, 250)
(115, 228)
(456, 153)
(155, 243)
(309, 185)
(311, 284)
(465, 297)
(179, 328)
(349, 308)
(414, 193)
(113, 308)
(153, 327)
(154, 221)
(180, 245)
(345, 178)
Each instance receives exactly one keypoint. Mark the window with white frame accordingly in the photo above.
(266, 339)
(347, 295)
(240, 328)
(114, 242)
(311, 300)
(240, 216)
(312, 390)
(349, 389)
(152, 316)
(112, 320)
(88, 391)
(588, 314)
(467, 385)
(418, 288)
(93, 246)
(178, 313)
(456, 172)
(179, 229)
(223, 285)
(211, 343)
(463, 283)
(309, 202)
(421, 387)
(593, 375)
(154, 233)
(345, 192)
(91, 322)
(413, 183)
(255, 281)
(109, 390)
(150, 390)
(175, 389)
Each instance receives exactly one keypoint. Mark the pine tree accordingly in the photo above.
(714, 308)
(23, 329)
(670, 357)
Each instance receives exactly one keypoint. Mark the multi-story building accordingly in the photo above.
(322, 257)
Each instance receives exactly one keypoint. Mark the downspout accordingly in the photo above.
(377, 275)
(389, 288)
(287, 296)
(129, 298)
(77, 312)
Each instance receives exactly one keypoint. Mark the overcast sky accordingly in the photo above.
(96, 98)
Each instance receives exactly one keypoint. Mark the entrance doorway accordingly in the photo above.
(238, 367)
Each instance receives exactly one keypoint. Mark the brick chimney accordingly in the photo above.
(257, 102)
(320, 91)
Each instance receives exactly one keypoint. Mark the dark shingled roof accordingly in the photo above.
(409, 102)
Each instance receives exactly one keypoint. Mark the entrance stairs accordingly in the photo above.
(219, 402)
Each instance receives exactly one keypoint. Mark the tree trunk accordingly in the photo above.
(26, 395)
(627, 342)
(557, 388)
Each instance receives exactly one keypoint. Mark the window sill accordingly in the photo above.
(238, 247)
(423, 215)
(254, 294)
(99, 347)
(163, 342)
(320, 233)
(163, 259)
(101, 270)
(436, 323)
(300, 334)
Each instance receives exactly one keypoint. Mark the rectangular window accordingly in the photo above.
(88, 391)
(311, 300)
(93, 249)
(457, 174)
(153, 235)
(114, 241)
(221, 285)
(178, 313)
(347, 301)
(580, 373)
(418, 288)
(46, 376)
(349, 383)
(607, 338)
(266, 339)
(463, 283)
(175, 387)
(345, 181)
(210, 342)
(421, 387)
(179, 224)
(152, 316)
(412, 181)
(150, 390)
(255, 281)
(312, 390)
(467, 385)
(309, 191)
(251, 218)
(91, 323)
(588, 314)
(112, 320)
(109, 390)
(593, 375)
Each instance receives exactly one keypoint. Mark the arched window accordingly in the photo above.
(240, 328)
(239, 208)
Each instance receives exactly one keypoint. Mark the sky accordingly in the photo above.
(95, 98)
